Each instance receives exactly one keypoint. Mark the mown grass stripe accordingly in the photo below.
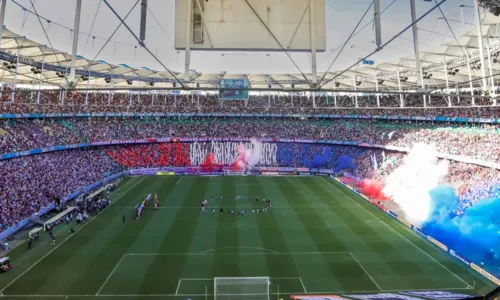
(177, 239)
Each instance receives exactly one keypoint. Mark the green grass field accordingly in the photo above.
(320, 238)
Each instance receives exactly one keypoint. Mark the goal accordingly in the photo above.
(251, 288)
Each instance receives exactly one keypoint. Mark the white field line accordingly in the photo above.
(229, 254)
(179, 180)
(110, 274)
(373, 280)
(402, 236)
(288, 180)
(247, 207)
(194, 295)
(303, 286)
(225, 248)
(59, 245)
(178, 286)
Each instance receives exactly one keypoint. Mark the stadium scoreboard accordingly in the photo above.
(233, 89)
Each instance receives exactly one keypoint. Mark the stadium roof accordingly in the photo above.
(56, 64)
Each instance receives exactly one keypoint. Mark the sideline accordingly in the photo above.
(402, 236)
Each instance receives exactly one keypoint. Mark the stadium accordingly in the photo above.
(249, 149)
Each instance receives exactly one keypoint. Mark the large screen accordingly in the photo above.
(227, 89)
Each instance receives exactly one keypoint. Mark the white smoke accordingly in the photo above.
(409, 185)
(249, 156)
(253, 155)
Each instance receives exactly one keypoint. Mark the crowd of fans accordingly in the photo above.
(471, 140)
(160, 102)
(32, 182)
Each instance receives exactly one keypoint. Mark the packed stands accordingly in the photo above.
(160, 102)
(87, 166)
(32, 182)
(471, 140)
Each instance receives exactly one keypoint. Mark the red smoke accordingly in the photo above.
(240, 162)
(373, 189)
(210, 163)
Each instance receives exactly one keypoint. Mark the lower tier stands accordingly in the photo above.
(29, 183)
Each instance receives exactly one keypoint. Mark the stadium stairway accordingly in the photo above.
(68, 126)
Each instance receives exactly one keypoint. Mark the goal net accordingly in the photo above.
(248, 288)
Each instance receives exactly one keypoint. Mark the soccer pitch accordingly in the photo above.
(319, 238)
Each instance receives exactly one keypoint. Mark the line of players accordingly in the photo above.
(139, 208)
(242, 212)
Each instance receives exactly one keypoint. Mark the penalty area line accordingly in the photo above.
(110, 274)
(366, 272)
(178, 286)
(303, 286)
(77, 230)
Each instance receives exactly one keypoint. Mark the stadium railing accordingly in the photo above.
(232, 115)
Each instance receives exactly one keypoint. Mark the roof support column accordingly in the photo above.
(470, 80)
(490, 67)
(480, 45)
(76, 32)
(110, 93)
(355, 92)
(334, 93)
(15, 75)
(2, 16)
(87, 91)
(198, 99)
(40, 82)
(376, 88)
(269, 91)
(420, 80)
(401, 103)
(131, 92)
(187, 51)
(312, 12)
(447, 81)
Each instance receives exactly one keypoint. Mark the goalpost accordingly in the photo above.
(251, 288)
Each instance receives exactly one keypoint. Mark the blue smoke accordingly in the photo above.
(319, 161)
(473, 231)
(346, 163)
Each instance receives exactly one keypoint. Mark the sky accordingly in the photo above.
(341, 18)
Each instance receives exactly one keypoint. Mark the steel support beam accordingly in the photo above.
(76, 33)
(312, 11)
(3, 7)
(187, 51)
(378, 27)
(480, 44)
(416, 47)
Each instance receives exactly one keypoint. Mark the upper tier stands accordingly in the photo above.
(119, 102)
